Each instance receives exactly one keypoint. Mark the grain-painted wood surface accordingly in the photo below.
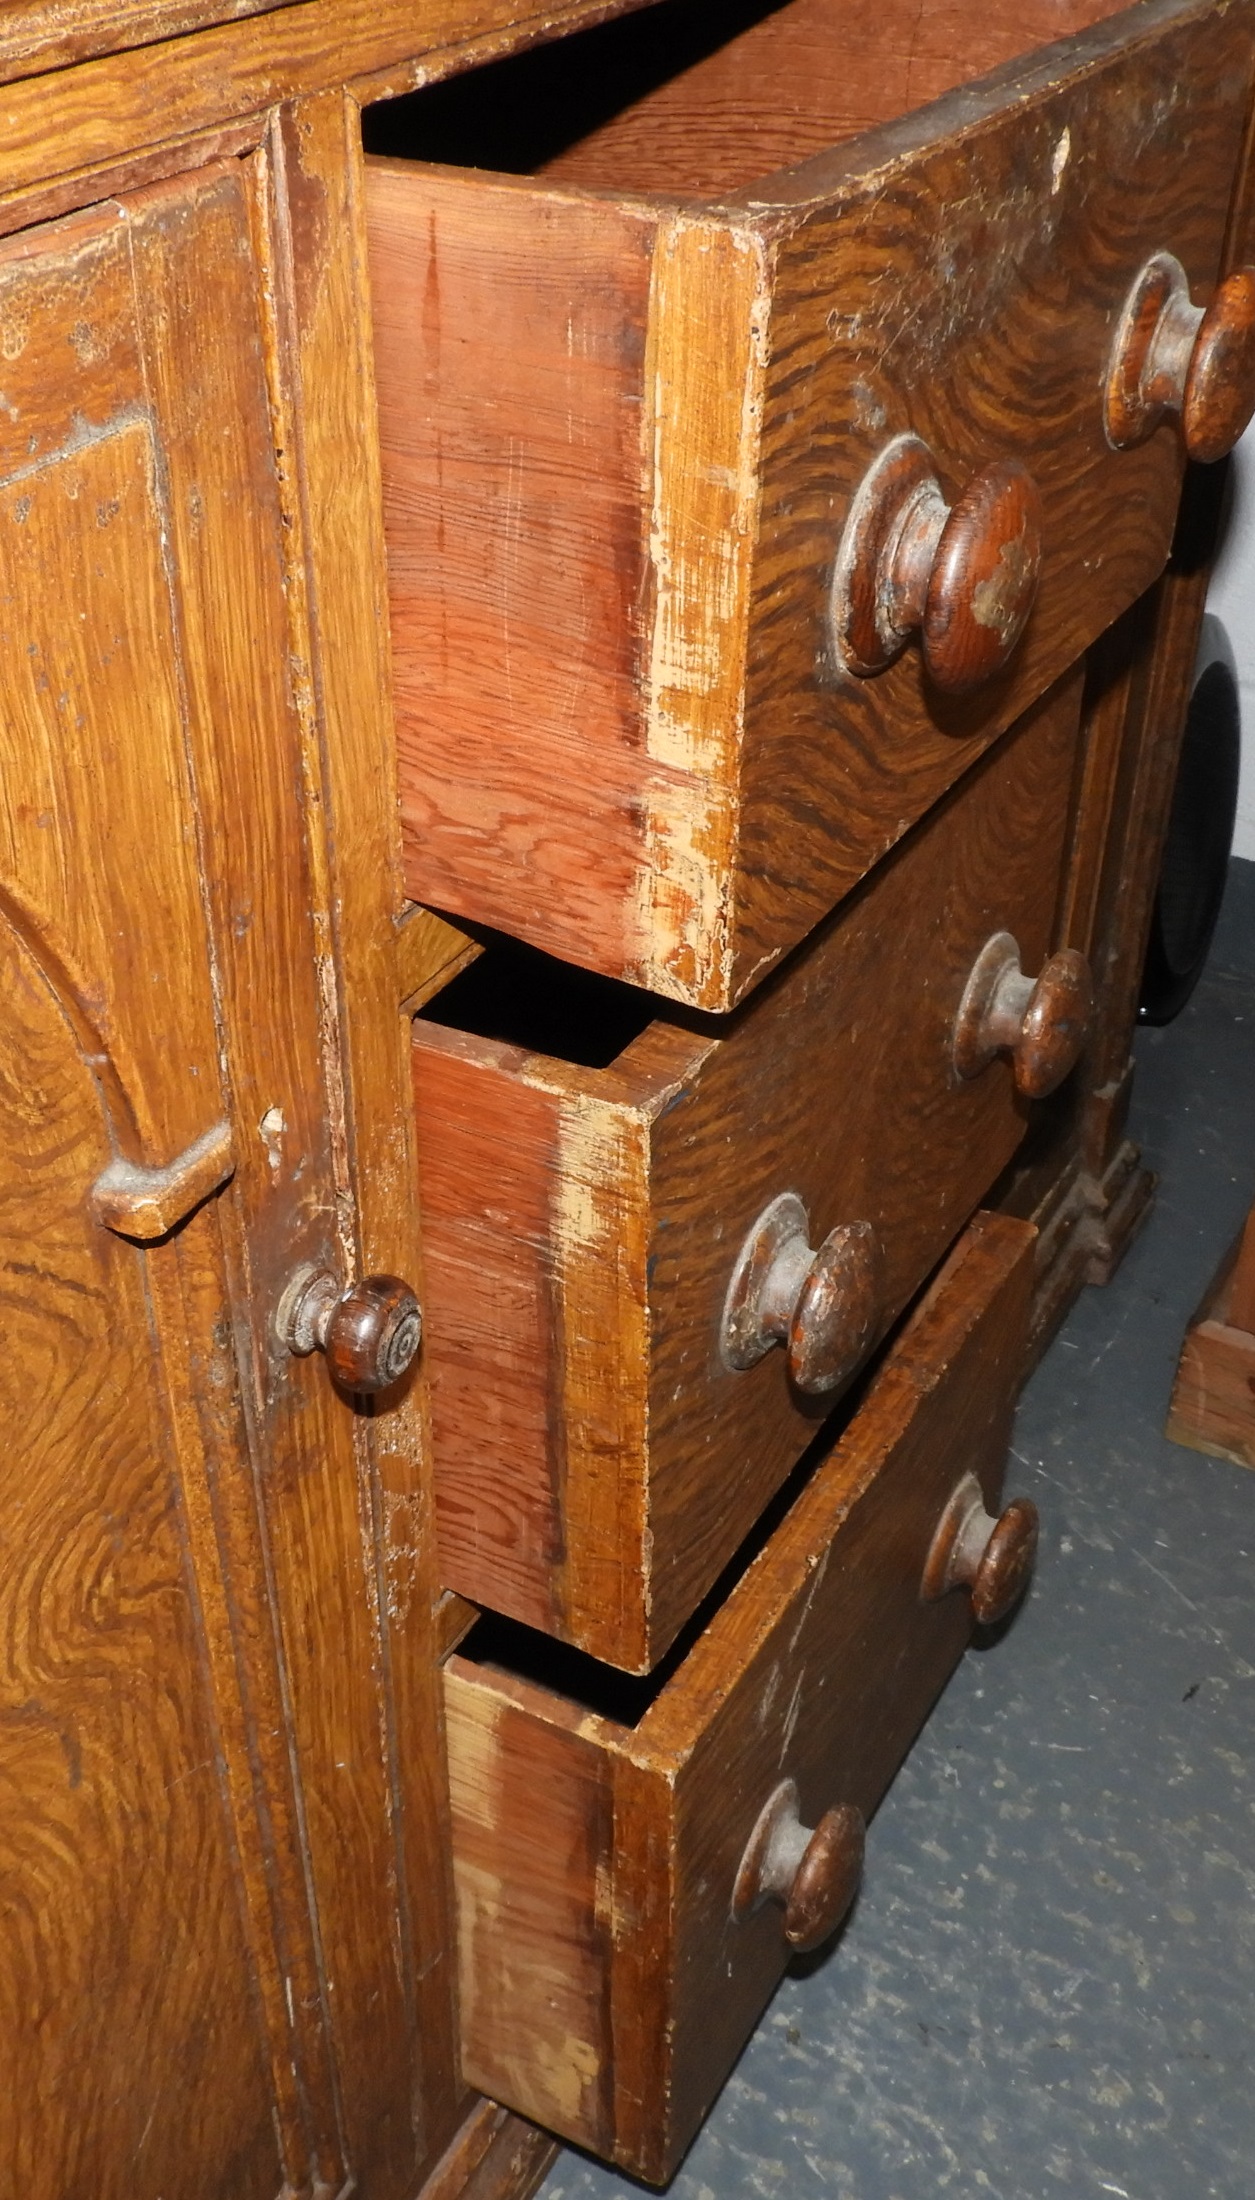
(1081, 1178)
(623, 730)
(133, 1591)
(582, 1225)
(109, 1772)
(75, 120)
(40, 37)
(160, 840)
(606, 1987)
(1213, 1398)
(359, 1596)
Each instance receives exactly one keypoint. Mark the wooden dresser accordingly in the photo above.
(594, 658)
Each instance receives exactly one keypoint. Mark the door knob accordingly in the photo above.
(813, 1873)
(993, 1557)
(964, 576)
(1042, 1022)
(822, 1305)
(1171, 356)
(370, 1331)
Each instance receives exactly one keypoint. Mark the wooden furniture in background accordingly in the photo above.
(1213, 1399)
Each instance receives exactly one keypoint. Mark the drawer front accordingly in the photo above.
(622, 441)
(606, 1985)
(599, 1455)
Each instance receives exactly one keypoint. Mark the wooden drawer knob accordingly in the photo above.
(813, 1874)
(823, 1306)
(962, 576)
(993, 1557)
(370, 1331)
(1171, 356)
(1042, 1023)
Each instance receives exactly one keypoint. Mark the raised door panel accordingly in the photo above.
(111, 1802)
(163, 857)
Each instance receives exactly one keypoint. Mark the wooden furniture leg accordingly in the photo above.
(1080, 1178)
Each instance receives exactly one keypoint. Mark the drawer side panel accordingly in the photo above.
(532, 1815)
(510, 335)
(534, 1208)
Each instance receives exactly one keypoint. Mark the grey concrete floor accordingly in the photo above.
(1048, 1984)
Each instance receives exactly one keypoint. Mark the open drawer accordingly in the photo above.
(620, 1929)
(685, 634)
(617, 1384)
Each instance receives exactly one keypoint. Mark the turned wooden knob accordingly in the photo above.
(1171, 356)
(962, 576)
(993, 1557)
(1042, 1023)
(369, 1331)
(822, 1305)
(813, 1874)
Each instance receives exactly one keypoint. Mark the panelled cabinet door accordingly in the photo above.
(206, 1988)
(123, 1952)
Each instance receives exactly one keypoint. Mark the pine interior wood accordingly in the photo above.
(793, 84)
(606, 1988)
(660, 770)
(581, 1224)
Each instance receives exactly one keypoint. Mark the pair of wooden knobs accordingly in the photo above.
(825, 1304)
(813, 1873)
(964, 576)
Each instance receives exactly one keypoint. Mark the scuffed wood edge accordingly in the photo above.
(430, 954)
(40, 36)
(703, 416)
(75, 118)
(860, 166)
(1212, 1408)
(341, 667)
(494, 2155)
(599, 1221)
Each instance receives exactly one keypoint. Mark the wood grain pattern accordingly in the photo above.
(582, 1225)
(787, 88)
(734, 780)
(94, 479)
(1081, 1178)
(110, 1794)
(368, 1631)
(494, 2156)
(953, 368)
(76, 120)
(39, 37)
(651, 1986)
(156, 625)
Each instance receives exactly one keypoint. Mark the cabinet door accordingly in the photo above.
(206, 1967)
